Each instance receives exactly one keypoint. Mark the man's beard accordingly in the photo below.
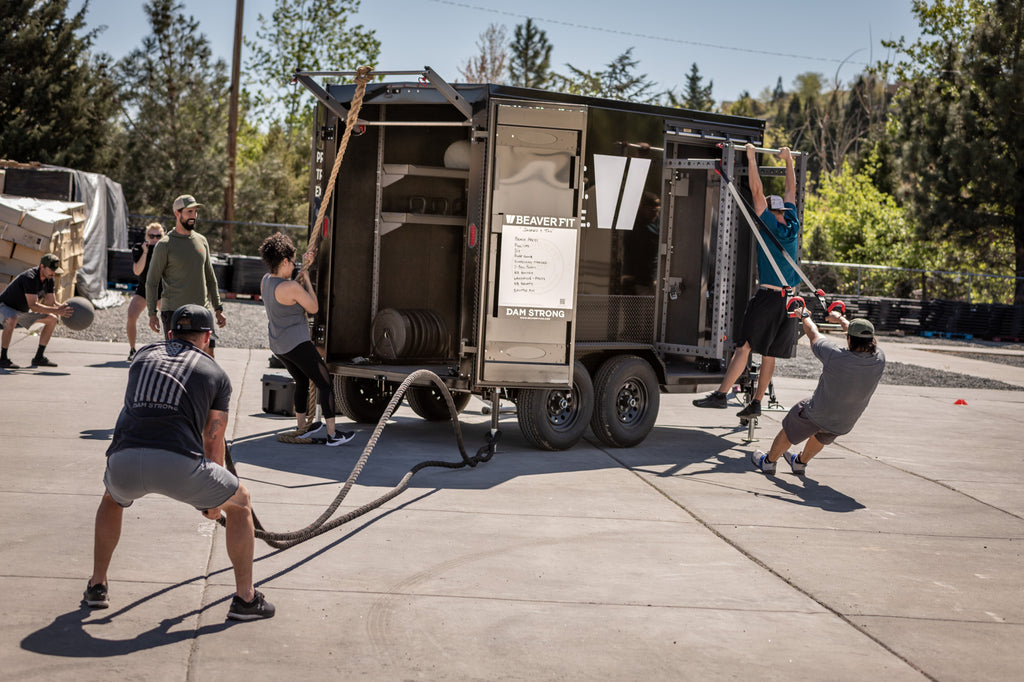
(189, 224)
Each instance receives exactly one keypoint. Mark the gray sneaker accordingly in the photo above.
(793, 459)
(760, 460)
(258, 608)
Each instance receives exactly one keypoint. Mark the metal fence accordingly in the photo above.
(859, 279)
(246, 237)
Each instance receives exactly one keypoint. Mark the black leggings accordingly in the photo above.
(305, 364)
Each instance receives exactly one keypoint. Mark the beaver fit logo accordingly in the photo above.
(619, 184)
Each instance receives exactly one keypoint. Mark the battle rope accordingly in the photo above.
(322, 525)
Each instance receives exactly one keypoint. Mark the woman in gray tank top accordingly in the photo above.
(287, 301)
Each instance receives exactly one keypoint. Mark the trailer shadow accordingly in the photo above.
(408, 441)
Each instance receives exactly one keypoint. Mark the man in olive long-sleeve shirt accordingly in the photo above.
(181, 260)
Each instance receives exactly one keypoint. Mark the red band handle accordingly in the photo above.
(838, 304)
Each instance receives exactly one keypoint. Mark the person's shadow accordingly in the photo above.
(810, 493)
(68, 635)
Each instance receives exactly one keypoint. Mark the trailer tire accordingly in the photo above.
(363, 400)
(626, 401)
(427, 402)
(556, 419)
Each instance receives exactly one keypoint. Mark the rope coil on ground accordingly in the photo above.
(323, 523)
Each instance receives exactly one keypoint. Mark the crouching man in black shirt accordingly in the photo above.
(169, 439)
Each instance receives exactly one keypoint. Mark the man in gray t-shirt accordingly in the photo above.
(848, 379)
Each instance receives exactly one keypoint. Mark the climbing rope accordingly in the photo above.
(362, 78)
(295, 436)
(324, 523)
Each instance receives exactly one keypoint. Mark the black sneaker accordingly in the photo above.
(258, 608)
(714, 399)
(131, 355)
(7, 364)
(753, 409)
(43, 361)
(315, 430)
(340, 438)
(96, 596)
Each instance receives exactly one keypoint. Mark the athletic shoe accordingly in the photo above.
(258, 608)
(760, 460)
(43, 361)
(793, 459)
(315, 430)
(131, 355)
(340, 438)
(96, 596)
(7, 364)
(753, 409)
(713, 399)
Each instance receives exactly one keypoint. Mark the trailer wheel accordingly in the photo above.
(556, 419)
(427, 402)
(363, 400)
(627, 398)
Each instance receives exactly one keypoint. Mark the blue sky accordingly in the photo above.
(739, 45)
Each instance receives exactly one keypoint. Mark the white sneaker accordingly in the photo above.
(793, 459)
(340, 438)
(760, 460)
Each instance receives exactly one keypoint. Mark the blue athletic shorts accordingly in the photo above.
(134, 472)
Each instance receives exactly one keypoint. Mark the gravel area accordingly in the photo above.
(247, 328)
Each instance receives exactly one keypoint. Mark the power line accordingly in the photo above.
(644, 36)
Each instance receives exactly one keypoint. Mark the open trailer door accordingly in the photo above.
(533, 243)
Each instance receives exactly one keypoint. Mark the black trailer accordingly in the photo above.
(574, 255)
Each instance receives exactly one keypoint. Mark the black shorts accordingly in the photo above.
(767, 327)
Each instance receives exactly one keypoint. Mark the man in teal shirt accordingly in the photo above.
(181, 261)
(767, 328)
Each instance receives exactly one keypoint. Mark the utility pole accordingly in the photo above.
(229, 193)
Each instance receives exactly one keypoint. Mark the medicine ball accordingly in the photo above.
(457, 155)
(81, 313)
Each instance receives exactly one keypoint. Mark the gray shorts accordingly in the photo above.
(134, 472)
(25, 320)
(799, 428)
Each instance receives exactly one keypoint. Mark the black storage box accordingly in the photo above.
(279, 394)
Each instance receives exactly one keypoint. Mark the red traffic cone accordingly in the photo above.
(960, 401)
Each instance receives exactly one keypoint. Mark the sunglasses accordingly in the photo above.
(154, 236)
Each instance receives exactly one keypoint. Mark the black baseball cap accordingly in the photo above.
(192, 318)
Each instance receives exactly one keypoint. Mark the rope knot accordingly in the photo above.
(363, 74)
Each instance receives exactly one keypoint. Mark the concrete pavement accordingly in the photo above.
(898, 557)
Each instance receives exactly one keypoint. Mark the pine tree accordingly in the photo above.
(697, 95)
(56, 103)
(530, 62)
(175, 99)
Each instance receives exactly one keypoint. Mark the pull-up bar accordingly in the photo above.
(764, 150)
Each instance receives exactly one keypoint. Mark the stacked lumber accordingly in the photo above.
(32, 227)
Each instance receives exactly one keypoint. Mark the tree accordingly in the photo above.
(175, 115)
(491, 63)
(960, 126)
(530, 62)
(307, 35)
(56, 104)
(697, 95)
(618, 80)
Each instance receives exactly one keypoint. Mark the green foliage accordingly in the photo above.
(960, 129)
(530, 57)
(306, 35)
(55, 104)
(175, 115)
(618, 80)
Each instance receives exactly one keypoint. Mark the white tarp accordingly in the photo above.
(106, 227)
